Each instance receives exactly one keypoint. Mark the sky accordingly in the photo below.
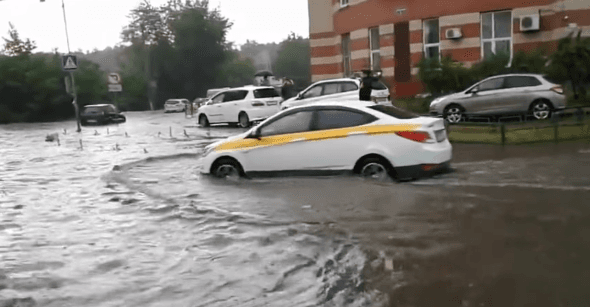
(98, 23)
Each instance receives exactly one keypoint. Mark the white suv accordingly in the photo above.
(342, 89)
(242, 106)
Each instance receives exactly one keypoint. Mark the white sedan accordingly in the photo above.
(175, 105)
(241, 106)
(368, 139)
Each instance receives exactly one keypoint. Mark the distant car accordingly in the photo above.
(241, 106)
(213, 91)
(368, 139)
(175, 105)
(521, 94)
(101, 114)
(342, 88)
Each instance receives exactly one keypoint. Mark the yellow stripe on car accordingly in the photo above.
(274, 140)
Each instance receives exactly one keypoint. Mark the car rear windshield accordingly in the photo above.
(265, 93)
(95, 110)
(378, 85)
(173, 102)
(394, 112)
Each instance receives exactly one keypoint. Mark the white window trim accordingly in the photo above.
(344, 3)
(494, 40)
(426, 46)
(374, 51)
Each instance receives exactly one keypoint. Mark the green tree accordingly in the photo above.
(14, 45)
(571, 62)
(236, 71)
(293, 60)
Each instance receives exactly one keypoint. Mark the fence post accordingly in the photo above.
(503, 132)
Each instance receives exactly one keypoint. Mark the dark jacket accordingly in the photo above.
(366, 88)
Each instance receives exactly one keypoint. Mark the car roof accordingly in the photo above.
(98, 105)
(337, 80)
(355, 104)
(248, 88)
(517, 75)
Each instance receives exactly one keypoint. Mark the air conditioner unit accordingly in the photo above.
(453, 33)
(529, 23)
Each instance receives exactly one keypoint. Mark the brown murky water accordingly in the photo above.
(153, 232)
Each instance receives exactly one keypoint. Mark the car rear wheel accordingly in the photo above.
(227, 168)
(203, 121)
(453, 113)
(374, 168)
(244, 120)
(541, 109)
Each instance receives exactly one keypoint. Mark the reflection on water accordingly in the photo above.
(119, 216)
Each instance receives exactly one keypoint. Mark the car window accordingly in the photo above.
(290, 123)
(378, 85)
(521, 81)
(313, 92)
(348, 86)
(265, 93)
(550, 80)
(234, 95)
(330, 88)
(217, 99)
(492, 84)
(333, 119)
(394, 112)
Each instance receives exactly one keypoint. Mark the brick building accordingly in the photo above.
(347, 36)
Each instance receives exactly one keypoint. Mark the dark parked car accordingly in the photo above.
(101, 114)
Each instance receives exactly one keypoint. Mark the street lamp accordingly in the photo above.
(75, 102)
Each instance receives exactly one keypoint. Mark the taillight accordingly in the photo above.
(557, 89)
(418, 136)
(257, 103)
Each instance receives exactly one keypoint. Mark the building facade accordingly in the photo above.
(347, 36)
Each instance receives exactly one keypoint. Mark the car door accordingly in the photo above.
(282, 145)
(522, 90)
(337, 143)
(311, 95)
(488, 98)
(232, 104)
(213, 110)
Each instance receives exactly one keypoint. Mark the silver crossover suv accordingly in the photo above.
(518, 94)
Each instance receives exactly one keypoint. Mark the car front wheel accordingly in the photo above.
(453, 113)
(227, 168)
(203, 121)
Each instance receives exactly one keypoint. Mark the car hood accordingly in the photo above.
(231, 138)
(447, 97)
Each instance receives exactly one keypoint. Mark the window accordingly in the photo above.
(375, 52)
(334, 119)
(346, 55)
(313, 92)
(235, 95)
(348, 86)
(217, 99)
(378, 85)
(394, 112)
(265, 93)
(496, 33)
(521, 81)
(290, 123)
(492, 84)
(431, 39)
(330, 88)
(343, 3)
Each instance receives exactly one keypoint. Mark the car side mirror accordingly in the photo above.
(474, 91)
(255, 134)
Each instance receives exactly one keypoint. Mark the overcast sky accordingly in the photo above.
(98, 23)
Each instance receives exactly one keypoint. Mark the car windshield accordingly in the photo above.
(394, 112)
(266, 93)
(95, 110)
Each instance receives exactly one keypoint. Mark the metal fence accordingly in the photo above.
(572, 123)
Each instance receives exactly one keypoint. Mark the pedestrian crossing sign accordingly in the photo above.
(69, 62)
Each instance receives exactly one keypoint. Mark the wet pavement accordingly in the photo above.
(119, 216)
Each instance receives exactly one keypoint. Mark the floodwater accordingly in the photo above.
(118, 216)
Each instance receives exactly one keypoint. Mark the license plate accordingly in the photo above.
(92, 120)
(271, 103)
(441, 135)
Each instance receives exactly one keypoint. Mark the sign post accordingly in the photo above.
(69, 63)
(114, 83)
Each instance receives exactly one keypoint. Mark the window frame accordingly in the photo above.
(346, 55)
(373, 51)
(487, 80)
(426, 45)
(344, 3)
(288, 113)
(493, 40)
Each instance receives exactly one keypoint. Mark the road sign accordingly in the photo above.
(114, 78)
(115, 87)
(69, 62)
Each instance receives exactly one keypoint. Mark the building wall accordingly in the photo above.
(360, 15)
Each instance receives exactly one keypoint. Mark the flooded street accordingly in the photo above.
(118, 216)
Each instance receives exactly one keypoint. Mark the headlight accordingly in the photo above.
(206, 151)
